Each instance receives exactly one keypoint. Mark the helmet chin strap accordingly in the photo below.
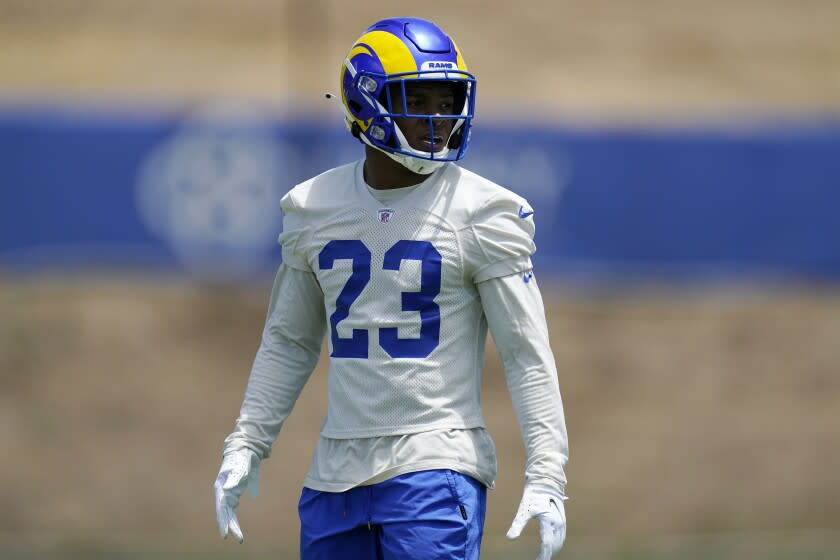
(415, 165)
(416, 160)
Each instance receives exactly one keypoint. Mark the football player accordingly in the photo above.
(403, 260)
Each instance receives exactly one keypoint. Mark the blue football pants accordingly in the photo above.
(425, 515)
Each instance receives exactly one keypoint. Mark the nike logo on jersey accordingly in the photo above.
(527, 277)
(523, 214)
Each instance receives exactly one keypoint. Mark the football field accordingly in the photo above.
(702, 423)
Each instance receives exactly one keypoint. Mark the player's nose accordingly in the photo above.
(441, 124)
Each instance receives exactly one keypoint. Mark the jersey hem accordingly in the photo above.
(402, 430)
(325, 486)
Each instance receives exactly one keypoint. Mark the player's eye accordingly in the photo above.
(414, 104)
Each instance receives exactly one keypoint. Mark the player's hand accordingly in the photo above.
(546, 504)
(240, 470)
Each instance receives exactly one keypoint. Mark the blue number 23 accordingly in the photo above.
(423, 301)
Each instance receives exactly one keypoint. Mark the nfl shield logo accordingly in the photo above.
(385, 215)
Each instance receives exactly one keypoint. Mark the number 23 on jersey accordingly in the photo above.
(423, 301)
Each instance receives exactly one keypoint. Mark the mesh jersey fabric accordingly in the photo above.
(412, 319)
(296, 324)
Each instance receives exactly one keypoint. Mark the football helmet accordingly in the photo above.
(391, 55)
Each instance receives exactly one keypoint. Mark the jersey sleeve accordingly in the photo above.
(516, 318)
(500, 239)
(294, 233)
(288, 352)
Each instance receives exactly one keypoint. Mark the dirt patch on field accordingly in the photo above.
(687, 411)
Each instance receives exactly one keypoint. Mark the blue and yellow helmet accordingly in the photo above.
(392, 53)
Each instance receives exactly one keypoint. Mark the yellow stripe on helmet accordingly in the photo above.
(462, 65)
(357, 49)
(391, 52)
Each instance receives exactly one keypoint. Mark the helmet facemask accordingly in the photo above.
(422, 119)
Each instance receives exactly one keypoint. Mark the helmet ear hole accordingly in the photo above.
(355, 106)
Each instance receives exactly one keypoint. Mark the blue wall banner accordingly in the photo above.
(201, 193)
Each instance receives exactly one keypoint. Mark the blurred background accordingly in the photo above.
(684, 162)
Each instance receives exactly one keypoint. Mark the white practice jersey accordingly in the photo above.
(405, 290)
(406, 328)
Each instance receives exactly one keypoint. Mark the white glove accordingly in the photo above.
(240, 470)
(546, 504)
